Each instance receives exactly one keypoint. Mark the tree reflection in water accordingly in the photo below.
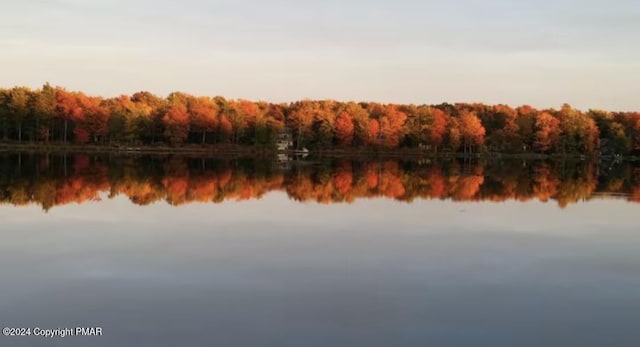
(52, 180)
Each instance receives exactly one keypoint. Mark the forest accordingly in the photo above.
(54, 115)
(53, 180)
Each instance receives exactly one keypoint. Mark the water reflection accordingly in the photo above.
(52, 180)
(275, 272)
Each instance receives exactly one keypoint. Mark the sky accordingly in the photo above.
(538, 52)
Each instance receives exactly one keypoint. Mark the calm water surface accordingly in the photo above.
(208, 253)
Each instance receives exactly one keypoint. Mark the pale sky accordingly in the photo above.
(538, 52)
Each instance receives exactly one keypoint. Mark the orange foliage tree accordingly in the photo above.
(176, 122)
(344, 129)
(55, 114)
(547, 132)
(204, 116)
(471, 131)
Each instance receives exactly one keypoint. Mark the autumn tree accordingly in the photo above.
(264, 130)
(454, 134)
(96, 118)
(427, 126)
(579, 132)
(547, 132)
(501, 124)
(117, 108)
(471, 131)
(373, 132)
(53, 113)
(632, 125)
(344, 129)
(271, 123)
(612, 131)
(229, 120)
(149, 110)
(416, 124)
(244, 119)
(323, 124)
(360, 119)
(176, 122)
(391, 121)
(234, 113)
(226, 128)
(204, 116)
(526, 122)
(301, 118)
(69, 110)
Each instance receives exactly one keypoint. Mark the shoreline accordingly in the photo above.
(226, 150)
(210, 150)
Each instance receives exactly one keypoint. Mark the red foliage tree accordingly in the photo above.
(373, 132)
(69, 110)
(96, 119)
(176, 122)
(344, 129)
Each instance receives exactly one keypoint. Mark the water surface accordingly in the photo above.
(191, 252)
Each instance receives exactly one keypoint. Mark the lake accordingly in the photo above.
(185, 251)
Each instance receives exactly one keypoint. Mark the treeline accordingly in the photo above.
(53, 114)
(49, 180)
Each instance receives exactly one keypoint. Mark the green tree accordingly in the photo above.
(18, 106)
(579, 132)
(5, 114)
